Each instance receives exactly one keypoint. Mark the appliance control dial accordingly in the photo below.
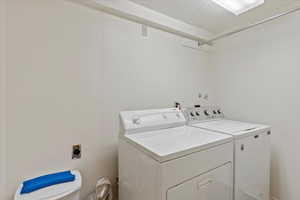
(136, 120)
(192, 114)
(206, 112)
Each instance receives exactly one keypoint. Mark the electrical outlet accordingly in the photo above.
(117, 180)
(205, 97)
(76, 152)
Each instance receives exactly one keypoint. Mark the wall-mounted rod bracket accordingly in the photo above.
(201, 43)
(133, 12)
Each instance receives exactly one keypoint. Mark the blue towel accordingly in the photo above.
(46, 181)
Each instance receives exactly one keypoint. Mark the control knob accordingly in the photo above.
(136, 120)
(206, 112)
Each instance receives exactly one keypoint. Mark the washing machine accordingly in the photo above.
(161, 158)
(251, 150)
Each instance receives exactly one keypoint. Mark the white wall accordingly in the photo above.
(70, 71)
(2, 96)
(257, 79)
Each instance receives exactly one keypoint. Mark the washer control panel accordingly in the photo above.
(203, 113)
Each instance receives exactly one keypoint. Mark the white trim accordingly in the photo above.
(134, 12)
(3, 99)
(274, 198)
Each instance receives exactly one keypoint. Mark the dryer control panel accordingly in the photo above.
(203, 113)
(146, 120)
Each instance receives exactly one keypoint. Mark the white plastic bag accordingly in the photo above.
(103, 190)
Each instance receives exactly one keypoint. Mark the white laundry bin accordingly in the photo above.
(64, 191)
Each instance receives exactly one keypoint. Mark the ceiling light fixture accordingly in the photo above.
(238, 6)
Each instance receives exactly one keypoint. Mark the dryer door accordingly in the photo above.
(213, 185)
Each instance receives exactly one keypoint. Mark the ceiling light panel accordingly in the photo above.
(238, 6)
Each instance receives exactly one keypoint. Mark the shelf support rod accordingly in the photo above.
(230, 33)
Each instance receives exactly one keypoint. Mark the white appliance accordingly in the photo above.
(251, 151)
(160, 158)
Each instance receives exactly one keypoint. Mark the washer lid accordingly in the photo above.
(54, 192)
(235, 128)
(167, 144)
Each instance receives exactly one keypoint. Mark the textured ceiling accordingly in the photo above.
(215, 19)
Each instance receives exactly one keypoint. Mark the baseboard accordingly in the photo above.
(274, 198)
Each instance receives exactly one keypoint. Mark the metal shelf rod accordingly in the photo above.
(209, 42)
